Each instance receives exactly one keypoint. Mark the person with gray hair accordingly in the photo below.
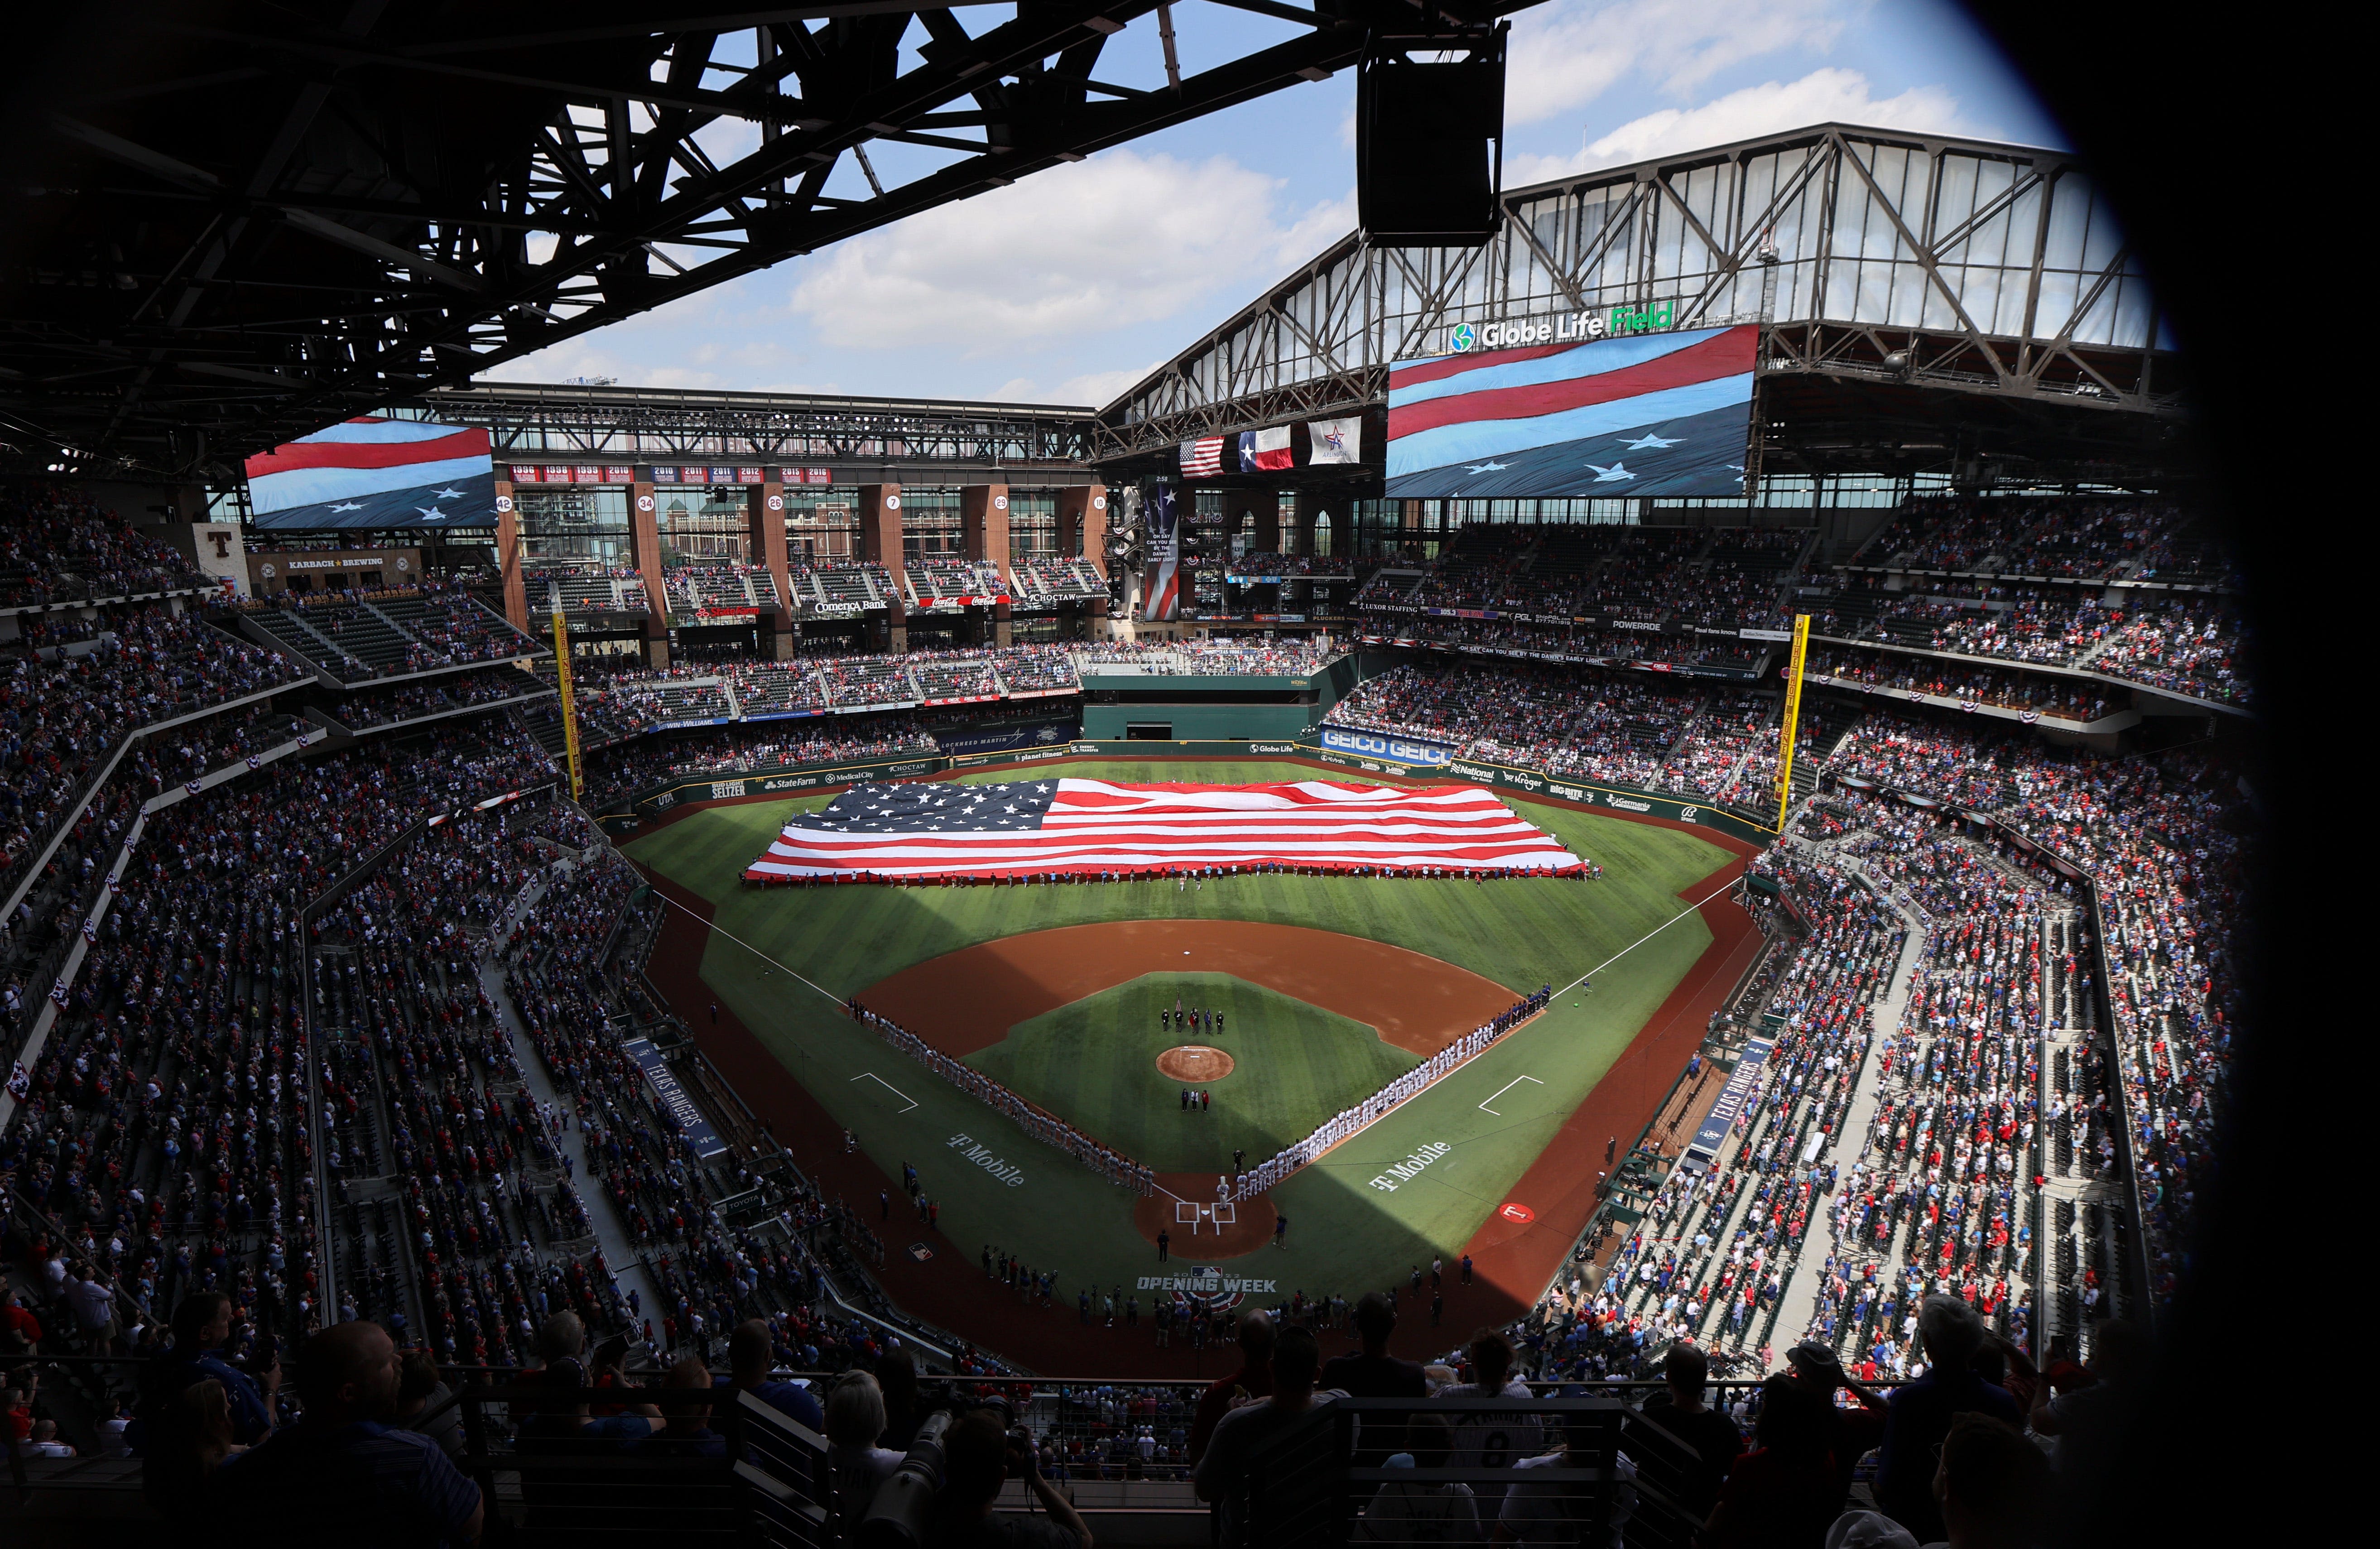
(1918, 1415)
(855, 1465)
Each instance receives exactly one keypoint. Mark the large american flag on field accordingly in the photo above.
(1074, 827)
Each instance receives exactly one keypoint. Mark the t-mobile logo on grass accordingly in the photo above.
(1410, 1169)
(965, 1146)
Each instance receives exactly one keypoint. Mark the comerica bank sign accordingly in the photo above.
(1654, 317)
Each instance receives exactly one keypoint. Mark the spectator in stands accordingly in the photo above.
(1781, 1493)
(341, 1474)
(1992, 1487)
(750, 1351)
(1374, 1373)
(206, 1421)
(1678, 1409)
(1492, 1438)
(1223, 1468)
(93, 1301)
(896, 1377)
(1409, 1512)
(855, 1417)
(180, 1445)
(1555, 1512)
(424, 1404)
(1920, 1413)
(685, 1421)
(2087, 1417)
(1253, 1380)
(978, 1455)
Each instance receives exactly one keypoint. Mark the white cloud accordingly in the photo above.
(1820, 97)
(1565, 55)
(1120, 239)
(1100, 388)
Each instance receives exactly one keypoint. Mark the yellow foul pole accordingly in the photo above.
(1792, 715)
(569, 707)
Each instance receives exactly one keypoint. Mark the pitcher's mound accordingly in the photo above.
(1193, 1062)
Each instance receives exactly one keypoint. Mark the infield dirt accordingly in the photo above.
(968, 1000)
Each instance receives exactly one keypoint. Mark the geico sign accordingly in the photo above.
(1382, 746)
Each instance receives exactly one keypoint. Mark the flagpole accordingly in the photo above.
(1793, 717)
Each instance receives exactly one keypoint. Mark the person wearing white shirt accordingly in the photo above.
(1548, 1512)
(1492, 1438)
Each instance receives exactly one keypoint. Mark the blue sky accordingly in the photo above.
(1069, 286)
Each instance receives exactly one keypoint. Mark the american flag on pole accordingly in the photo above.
(1202, 458)
(1074, 827)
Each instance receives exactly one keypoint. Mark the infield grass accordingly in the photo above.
(1094, 1063)
(1348, 1235)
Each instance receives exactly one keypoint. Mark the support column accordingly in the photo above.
(766, 546)
(644, 548)
(1304, 526)
(983, 521)
(983, 524)
(509, 557)
(879, 542)
(1265, 505)
(1082, 521)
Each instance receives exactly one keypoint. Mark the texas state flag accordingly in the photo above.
(1263, 449)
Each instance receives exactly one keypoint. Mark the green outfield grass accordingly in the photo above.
(1348, 1235)
(1094, 1064)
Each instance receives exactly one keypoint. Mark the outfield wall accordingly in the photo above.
(741, 784)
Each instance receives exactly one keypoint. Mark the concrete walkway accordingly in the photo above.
(620, 1250)
(1800, 1303)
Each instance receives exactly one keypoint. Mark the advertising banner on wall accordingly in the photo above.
(701, 1136)
(1381, 745)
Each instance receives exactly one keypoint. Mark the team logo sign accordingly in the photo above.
(1517, 1213)
(1465, 336)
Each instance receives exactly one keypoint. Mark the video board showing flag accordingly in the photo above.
(375, 473)
(1661, 414)
(1074, 827)
(1160, 585)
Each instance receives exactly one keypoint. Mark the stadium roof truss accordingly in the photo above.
(1901, 260)
(642, 425)
(233, 223)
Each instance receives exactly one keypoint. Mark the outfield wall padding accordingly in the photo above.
(733, 784)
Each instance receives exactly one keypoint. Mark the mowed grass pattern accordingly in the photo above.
(1349, 1236)
(1094, 1063)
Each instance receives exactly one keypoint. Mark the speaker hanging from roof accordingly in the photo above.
(1429, 138)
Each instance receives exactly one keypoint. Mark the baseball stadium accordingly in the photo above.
(1623, 808)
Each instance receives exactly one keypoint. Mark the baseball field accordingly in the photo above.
(1328, 988)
